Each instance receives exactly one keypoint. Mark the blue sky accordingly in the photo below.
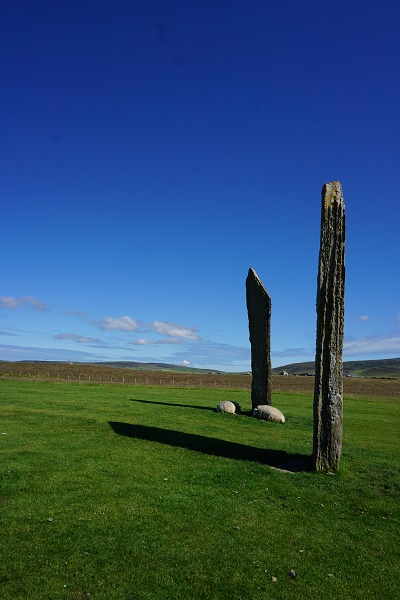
(151, 152)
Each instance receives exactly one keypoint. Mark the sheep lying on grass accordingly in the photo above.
(269, 413)
(228, 407)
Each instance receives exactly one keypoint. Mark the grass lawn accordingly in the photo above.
(139, 492)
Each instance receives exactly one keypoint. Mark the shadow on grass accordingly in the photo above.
(241, 413)
(215, 447)
(173, 404)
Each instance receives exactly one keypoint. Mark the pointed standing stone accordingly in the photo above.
(328, 391)
(259, 312)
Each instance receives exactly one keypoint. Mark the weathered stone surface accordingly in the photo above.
(228, 407)
(328, 391)
(259, 313)
(269, 413)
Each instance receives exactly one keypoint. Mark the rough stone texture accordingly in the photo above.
(259, 313)
(269, 413)
(228, 407)
(328, 391)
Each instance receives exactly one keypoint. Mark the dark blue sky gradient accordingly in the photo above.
(152, 151)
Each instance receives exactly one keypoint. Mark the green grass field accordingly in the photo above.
(140, 492)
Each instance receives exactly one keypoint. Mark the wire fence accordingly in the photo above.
(138, 380)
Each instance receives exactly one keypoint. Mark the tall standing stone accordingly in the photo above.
(259, 312)
(328, 391)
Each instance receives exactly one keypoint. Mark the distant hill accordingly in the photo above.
(389, 367)
(153, 366)
(138, 366)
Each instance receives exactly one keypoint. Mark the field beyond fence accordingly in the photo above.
(88, 373)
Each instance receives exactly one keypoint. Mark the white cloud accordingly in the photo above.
(175, 331)
(141, 342)
(147, 342)
(372, 345)
(121, 324)
(186, 363)
(175, 334)
(9, 302)
(12, 302)
(79, 339)
(364, 318)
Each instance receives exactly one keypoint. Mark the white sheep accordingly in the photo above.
(228, 407)
(269, 413)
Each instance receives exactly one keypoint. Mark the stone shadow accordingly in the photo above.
(279, 459)
(241, 413)
(172, 404)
